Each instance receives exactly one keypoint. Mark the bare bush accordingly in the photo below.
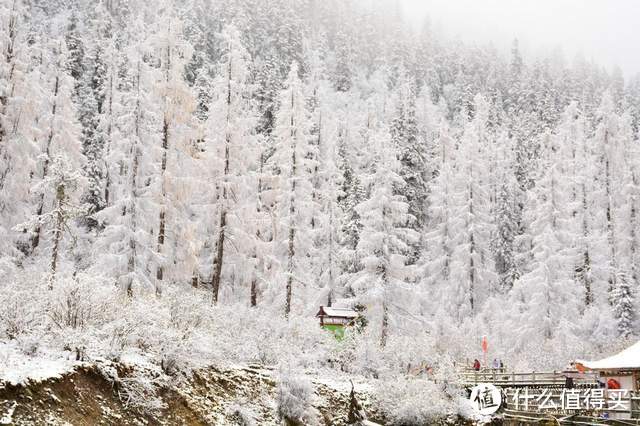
(403, 399)
(139, 393)
(295, 400)
(71, 308)
(29, 344)
(169, 364)
(16, 318)
(241, 415)
(185, 315)
(20, 310)
(120, 334)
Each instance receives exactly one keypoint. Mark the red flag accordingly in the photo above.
(485, 344)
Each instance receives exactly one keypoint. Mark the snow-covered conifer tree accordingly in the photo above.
(61, 187)
(385, 237)
(622, 299)
(169, 51)
(293, 151)
(505, 212)
(443, 236)
(22, 105)
(61, 129)
(127, 242)
(86, 66)
(546, 300)
(471, 259)
(233, 156)
(413, 156)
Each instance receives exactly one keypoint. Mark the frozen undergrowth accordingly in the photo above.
(88, 321)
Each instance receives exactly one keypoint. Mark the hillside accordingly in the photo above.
(108, 393)
(190, 180)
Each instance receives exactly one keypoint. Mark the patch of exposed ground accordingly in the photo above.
(112, 394)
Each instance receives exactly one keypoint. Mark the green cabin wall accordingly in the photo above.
(337, 330)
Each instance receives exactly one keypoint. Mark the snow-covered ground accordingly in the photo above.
(18, 368)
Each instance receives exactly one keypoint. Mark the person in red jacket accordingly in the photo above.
(613, 384)
(476, 365)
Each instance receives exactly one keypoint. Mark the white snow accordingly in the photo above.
(343, 385)
(627, 359)
(340, 312)
(17, 368)
(53, 396)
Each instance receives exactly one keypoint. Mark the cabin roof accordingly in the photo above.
(628, 359)
(326, 311)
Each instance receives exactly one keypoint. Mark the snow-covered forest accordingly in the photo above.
(231, 165)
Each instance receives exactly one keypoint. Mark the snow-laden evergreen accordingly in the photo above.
(280, 155)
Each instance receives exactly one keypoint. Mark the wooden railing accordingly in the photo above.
(503, 378)
(526, 396)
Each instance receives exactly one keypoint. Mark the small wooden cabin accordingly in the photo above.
(335, 319)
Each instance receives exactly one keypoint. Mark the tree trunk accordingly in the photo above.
(162, 225)
(588, 299)
(610, 225)
(57, 236)
(35, 239)
(254, 293)
(356, 413)
(219, 257)
(131, 262)
(217, 262)
(254, 281)
(165, 152)
(287, 308)
(107, 186)
(292, 213)
(384, 332)
(330, 257)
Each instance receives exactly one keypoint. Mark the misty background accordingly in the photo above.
(605, 31)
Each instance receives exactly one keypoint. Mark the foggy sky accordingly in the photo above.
(607, 31)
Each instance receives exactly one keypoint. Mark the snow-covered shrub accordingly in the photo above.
(29, 344)
(71, 309)
(77, 303)
(300, 340)
(118, 334)
(360, 354)
(235, 332)
(413, 401)
(187, 311)
(140, 392)
(170, 363)
(241, 415)
(295, 398)
(19, 310)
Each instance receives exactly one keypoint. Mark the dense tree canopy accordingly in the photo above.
(289, 154)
